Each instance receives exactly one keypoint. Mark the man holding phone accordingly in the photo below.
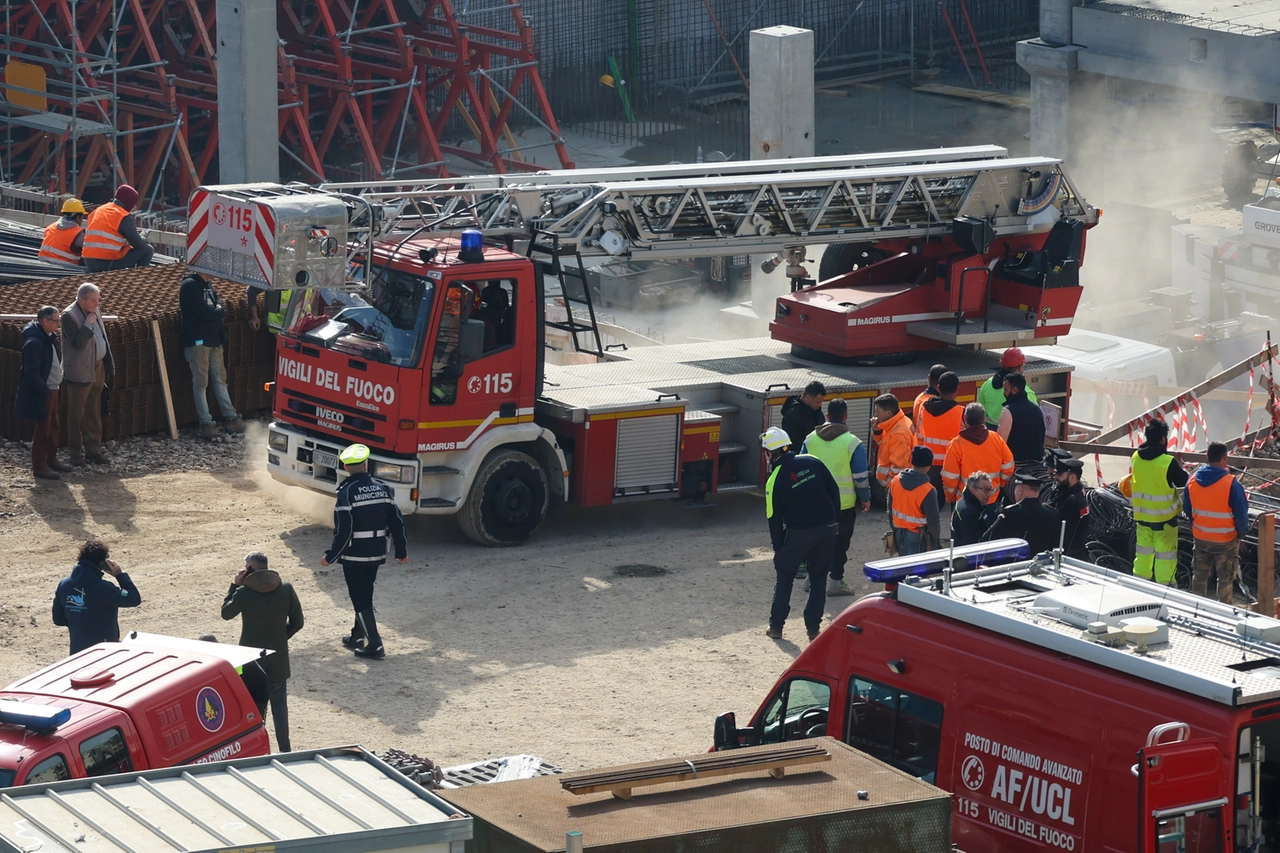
(87, 604)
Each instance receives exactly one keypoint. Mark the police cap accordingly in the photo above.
(1027, 479)
(354, 455)
(1069, 466)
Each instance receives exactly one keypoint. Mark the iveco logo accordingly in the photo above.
(329, 415)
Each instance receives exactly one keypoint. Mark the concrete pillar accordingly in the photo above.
(1064, 107)
(781, 127)
(248, 121)
(781, 93)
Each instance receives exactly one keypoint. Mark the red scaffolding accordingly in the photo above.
(367, 90)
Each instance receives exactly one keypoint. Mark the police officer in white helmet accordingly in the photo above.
(364, 515)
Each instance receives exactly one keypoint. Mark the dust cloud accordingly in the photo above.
(313, 505)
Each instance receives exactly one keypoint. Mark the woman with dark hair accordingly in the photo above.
(87, 604)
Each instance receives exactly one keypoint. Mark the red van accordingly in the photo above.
(149, 701)
(1067, 707)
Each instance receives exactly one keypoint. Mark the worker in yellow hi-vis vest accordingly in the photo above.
(1158, 479)
(275, 319)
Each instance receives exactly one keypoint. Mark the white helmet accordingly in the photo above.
(775, 438)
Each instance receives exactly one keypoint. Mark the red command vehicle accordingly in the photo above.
(1066, 707)
(149, 701)
(428, 346)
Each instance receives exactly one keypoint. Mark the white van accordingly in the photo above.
(1101, 358)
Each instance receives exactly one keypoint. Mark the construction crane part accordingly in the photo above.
(137, 297)
(376, 84)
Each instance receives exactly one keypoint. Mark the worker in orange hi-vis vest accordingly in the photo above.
(1219, 510)
(893, 437)
(111, 240)
(64, 238)
(930, 391)
(975, 449)
(941, 420)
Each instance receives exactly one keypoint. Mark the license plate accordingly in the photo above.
(328, 460)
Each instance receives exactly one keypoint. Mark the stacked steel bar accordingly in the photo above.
(374, 84)
(137, 297)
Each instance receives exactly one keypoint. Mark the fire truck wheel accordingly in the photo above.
(507, 502)
(840, 258)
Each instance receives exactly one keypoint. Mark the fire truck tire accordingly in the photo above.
(840, 258)
(507, 502)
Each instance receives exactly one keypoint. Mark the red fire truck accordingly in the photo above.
(1066, 706)
(427, 345)
(149, 701)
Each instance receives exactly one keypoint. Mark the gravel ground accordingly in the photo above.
(616, 635)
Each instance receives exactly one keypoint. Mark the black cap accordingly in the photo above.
(921, 456)
(1027, 479)
(1069, 466)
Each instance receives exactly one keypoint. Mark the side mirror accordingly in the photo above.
(726, 732)
(471, 340)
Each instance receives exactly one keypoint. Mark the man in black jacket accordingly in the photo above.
(37, 398)
(363, 516)
(802, 503)
(802, 415)
(87, 604)
(270, 614)
(973, 513)
(1027, 519)
(203, 335)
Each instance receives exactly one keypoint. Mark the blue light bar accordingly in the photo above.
(472, 248)
(898, 569)
(37, 718)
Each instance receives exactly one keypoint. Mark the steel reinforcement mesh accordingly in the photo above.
(136, 298)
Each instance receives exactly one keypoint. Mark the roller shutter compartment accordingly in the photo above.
(648, 454)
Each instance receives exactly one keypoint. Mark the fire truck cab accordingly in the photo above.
(1067, 707)
(149, 701)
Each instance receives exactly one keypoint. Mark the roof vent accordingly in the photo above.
(92, 679)
(1081, 604)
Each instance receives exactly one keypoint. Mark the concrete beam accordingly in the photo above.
(781, 93)
(248, 117)
(1056, 20)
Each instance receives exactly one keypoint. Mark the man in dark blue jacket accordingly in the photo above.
(202, 337)
(37, 398)
(87, 603)
(802, 503)
(363, 516)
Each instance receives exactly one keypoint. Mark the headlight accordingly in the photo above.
(277, 441)
(393, 473)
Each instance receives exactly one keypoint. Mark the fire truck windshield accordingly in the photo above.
(388, 322)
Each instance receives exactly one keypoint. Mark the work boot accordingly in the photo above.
(773, 633)
(58, 466)
(47, 474)
(373, 647)
(355, 640)
(235, 424)
(208, 430)
(97, 457)
(813, 633)
(839, 587)
(77, 457)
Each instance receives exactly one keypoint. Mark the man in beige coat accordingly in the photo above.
(86, 366)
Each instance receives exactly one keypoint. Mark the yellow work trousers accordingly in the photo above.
(1158, 550)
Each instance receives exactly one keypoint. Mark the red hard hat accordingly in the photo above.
(1013, 357)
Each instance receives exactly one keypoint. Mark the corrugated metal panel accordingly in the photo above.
(859, 420)
(648, 449)
(319, 800)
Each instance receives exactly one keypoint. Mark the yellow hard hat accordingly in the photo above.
(73, 205)
(354, 455)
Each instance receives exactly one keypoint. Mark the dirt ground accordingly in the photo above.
(616, 635)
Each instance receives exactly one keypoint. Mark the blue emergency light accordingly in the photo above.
(994, 553)
(29, 715)
(472, 249)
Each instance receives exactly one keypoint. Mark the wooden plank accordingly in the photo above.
(1211, 384)
(997, 98)
(1267, 564)
(1085, 448)
(622, 790)
(164, 381)
(831, 93)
